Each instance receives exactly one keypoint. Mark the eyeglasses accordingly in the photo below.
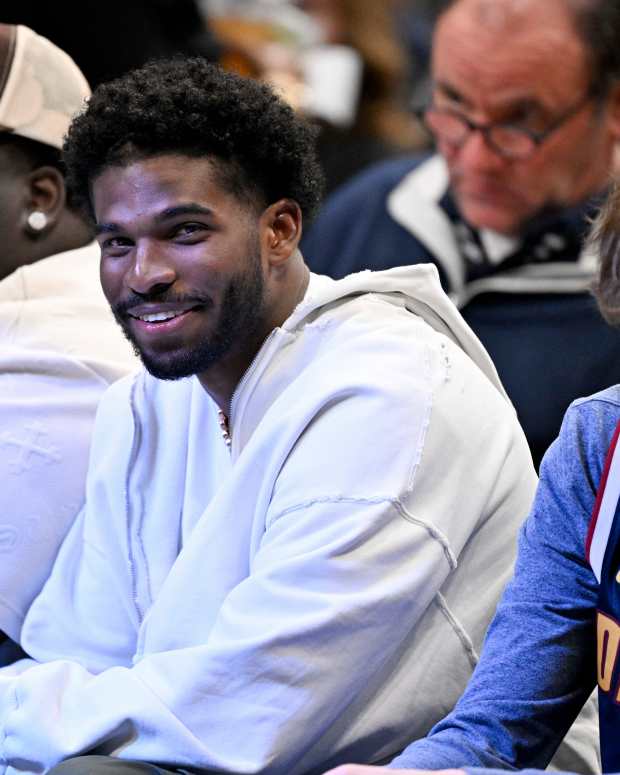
(508, 140)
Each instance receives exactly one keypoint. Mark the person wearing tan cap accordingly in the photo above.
(40, 88)
(59, 346)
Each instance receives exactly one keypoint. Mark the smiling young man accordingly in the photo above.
(300, 516)
(195, 302)
(525, 115)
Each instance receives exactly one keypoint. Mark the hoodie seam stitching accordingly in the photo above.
(458, 629)
(134, 450)
(434, 532)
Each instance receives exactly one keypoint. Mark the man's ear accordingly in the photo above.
(45, 196)
(280, 227)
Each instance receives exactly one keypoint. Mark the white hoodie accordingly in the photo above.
(60, 348)
(315, 595)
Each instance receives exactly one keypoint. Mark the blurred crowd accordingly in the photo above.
(353, 66)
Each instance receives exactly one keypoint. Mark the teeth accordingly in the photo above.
(156, 317)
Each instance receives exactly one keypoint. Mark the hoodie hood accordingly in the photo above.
(421, 290)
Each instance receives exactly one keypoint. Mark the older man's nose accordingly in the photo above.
(477, 155)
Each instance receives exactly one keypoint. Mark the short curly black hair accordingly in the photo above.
(263, 150)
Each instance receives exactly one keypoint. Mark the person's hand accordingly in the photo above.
(360, 769)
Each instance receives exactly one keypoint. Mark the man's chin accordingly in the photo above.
(186, 362)
(169, 367)
(486, 215)
(169, 372)
(174, 366)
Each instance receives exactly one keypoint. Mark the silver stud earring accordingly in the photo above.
(37, 220)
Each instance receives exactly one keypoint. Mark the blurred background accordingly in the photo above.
(354, 67)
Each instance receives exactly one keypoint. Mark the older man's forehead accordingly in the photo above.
(496, 14)
(499, 45)
(515, 16)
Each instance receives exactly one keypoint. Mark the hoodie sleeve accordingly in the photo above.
(538, 663)
(277, 673)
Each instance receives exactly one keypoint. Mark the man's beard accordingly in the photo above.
(242, 317)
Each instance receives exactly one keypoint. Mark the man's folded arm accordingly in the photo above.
(276, 672)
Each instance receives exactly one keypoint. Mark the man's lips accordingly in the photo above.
(156, 313)
(161, 318)
(482, 189)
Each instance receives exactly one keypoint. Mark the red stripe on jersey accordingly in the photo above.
(601, 490)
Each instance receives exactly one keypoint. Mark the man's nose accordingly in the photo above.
(476, 155)
(151, 271)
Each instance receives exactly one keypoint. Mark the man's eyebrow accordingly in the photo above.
(448, 90)
(191, 208)
(515, 104)
(106, 228)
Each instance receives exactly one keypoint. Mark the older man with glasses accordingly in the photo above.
(525, 115)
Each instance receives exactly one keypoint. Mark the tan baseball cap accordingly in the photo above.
(41, 87)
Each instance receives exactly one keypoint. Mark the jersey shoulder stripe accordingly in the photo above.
(605, 505)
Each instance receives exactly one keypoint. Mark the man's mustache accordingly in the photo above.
(124, 307)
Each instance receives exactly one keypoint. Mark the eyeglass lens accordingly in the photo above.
(454, 129)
